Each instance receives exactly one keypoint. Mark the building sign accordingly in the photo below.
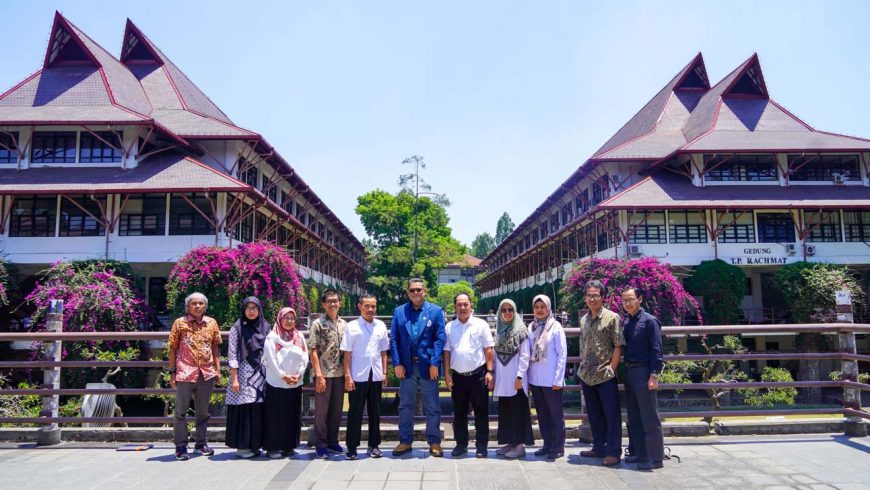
(758, 256)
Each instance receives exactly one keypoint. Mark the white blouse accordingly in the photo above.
(289, 359)
(506, 375)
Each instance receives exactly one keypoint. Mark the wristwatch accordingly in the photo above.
(172, 371)
(489, 371)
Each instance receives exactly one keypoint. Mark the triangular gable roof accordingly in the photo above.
(704, 114)
(749, 81)
(79, 82)
(189, 95)
(646, 119)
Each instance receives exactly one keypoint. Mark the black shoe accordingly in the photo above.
(647, 466)
(181, 453)
(351, 455)
(374, 452)
(203, 449)
(480, 453)
(552, 456)
(542, 452)
(459, 451)
(335, 448)
(633, 458)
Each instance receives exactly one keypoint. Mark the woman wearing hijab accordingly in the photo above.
(286, 359)
(247, 379)
(549, 355)
(511, 387)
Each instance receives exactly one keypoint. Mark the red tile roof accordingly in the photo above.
(160, 173)
(665, 190)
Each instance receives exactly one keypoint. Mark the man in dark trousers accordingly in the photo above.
(643, 363)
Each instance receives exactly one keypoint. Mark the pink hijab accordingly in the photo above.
(293, 336)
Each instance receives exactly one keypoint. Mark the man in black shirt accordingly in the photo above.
(643, 363)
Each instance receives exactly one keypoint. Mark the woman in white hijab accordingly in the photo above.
(549, 355)
(286, 358)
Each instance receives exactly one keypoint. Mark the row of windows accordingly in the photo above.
(65, 147)
(251, 176)
(143, 215)
(747, 227)
(763, 168)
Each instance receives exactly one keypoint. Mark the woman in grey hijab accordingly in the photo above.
(547, 376)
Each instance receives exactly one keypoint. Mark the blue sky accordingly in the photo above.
(503, 99)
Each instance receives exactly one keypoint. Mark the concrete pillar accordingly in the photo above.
(853, 425)
(49, 434)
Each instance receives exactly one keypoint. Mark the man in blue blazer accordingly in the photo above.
(416, 342)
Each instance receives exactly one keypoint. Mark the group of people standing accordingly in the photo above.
(267, 365)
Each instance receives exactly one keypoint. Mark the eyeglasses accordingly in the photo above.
(332, 301)
(291, 319)
(252, 308)
(415, 290)
(593, 296)
(507, 310)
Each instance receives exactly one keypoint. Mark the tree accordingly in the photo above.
(447, 293)
(503, 229)
(99, 296)
(390, 221)
(663, 294)
(809, 288)
(482, 245)
(228, 275)
(722, 286)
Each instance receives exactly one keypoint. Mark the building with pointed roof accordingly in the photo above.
(127, 158)
(701, 172)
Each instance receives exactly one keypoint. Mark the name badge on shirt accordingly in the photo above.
(429, 323)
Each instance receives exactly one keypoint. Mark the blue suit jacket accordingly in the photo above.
(430, 343)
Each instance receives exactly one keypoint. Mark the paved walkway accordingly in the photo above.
(735, 462)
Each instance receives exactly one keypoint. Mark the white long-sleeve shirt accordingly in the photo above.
(551, 371)
(289, 359)
(506, 375)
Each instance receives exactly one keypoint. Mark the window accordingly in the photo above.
(95, 149)
(567, 214)
(687, 226)
(554, 223)
(143, 215)
(80, 218)
(823, 226)
(775, 228)
(857, 225)
(8, 149)
(185, 219)
(269, 189)
(604, 239)
(736, 227)
(534, 236)
(742, 168)
(245, 229)
(823, 167)
(647, 227)
(53, 147)
(581, 202)
(33, 216)
(286, 203)
(249, 175)
(600, 190)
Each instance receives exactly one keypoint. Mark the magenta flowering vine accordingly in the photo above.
(663, 294)
(228, 275)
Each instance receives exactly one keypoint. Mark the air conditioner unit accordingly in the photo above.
(634, 250)
(615, 178)
(811, 249)
(790, 248)
(838, 178)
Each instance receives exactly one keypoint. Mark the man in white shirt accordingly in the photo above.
(365, 345)
(468, 358)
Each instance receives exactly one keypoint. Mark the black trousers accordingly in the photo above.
(551, 417)
(644, 426)
(365, 394)
(605, 420)
(470, 388)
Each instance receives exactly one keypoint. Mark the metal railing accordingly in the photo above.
(847, 357)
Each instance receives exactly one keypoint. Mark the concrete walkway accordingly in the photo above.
(721, 462)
